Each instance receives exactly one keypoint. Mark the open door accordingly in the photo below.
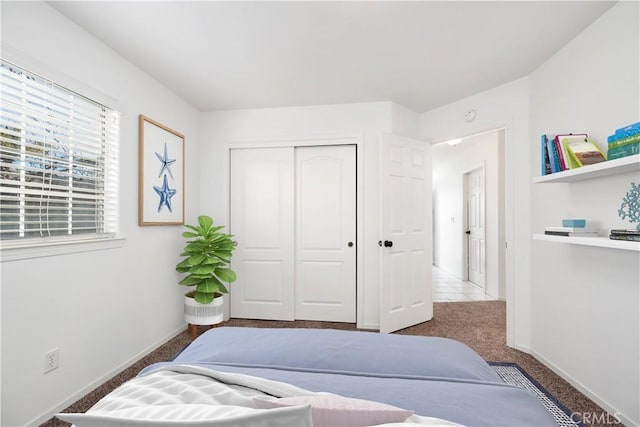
(475, 227)
(406, 233)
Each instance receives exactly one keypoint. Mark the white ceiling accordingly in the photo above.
(232, 55)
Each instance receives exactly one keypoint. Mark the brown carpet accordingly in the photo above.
(480, 325)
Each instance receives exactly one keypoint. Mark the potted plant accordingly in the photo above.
(207, 254)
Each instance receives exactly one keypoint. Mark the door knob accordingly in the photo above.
(468, 232)
(350, 244)
(388, 243)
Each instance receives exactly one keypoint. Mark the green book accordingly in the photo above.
(583, 151)
(624, 141)
(623, 151)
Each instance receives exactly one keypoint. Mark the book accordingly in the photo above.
(625, 132)
(561, 160)
(623, 151)
(562, 149)
(572, 233)
(571, 229)
(626, 237)
(583, 151)
(553, 156)
(632, 126)
(629, 129)
(544, 156)
(623, 141)
(620, 136)
(629, 231)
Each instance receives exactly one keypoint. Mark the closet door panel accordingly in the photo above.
(325, 262)
(262, 215)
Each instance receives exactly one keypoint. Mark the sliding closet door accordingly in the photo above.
(325, 261)
(262, 215)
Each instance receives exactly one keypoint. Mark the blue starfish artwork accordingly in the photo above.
(166, 162)
(165, 194)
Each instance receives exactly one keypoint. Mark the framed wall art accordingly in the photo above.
(161, 174)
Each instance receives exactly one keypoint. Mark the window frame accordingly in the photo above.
(35, 247)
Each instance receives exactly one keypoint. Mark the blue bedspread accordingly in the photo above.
(435, 377)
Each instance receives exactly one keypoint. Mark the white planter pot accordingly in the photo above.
(203, 314)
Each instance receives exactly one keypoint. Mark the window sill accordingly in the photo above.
(39, 250)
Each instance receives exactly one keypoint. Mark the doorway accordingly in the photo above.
(454, 166)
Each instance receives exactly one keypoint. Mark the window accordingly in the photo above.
(58, 162)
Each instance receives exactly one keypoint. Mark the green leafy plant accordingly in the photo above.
(207, 253)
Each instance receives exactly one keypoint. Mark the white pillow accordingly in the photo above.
(193, 415)
(333, 410)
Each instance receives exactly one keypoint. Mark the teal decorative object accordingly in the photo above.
(578, 223)
(630, 208)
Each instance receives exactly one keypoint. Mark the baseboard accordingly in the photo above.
(84, 391)
(584, 390)
(521, 348)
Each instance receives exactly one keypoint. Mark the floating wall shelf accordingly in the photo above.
(602, 242)
(610, 167)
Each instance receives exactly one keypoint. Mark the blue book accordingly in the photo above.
(635, 126)
(623, 135)
(544, 156)
(554, 160)
(625, 132)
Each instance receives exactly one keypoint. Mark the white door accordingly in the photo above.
(405, 278)
(475, 221)
(262, 215)
(325, 262)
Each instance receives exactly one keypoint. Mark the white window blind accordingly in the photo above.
(58, 162)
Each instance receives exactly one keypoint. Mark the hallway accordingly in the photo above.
(447, 288)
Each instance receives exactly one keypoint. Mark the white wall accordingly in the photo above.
(507, 107)
(221, 130)
(585, 300)
(404, 121)
(102, 309)
(450, 163)
(577, 319)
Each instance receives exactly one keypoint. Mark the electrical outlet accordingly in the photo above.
(51, 360)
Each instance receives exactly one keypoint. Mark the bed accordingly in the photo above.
(317, 377)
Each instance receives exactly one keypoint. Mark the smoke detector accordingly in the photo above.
(469, 115)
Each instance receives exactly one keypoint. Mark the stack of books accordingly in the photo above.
(630, 235)
(624, 142)
(568, 151)
(571, 231)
